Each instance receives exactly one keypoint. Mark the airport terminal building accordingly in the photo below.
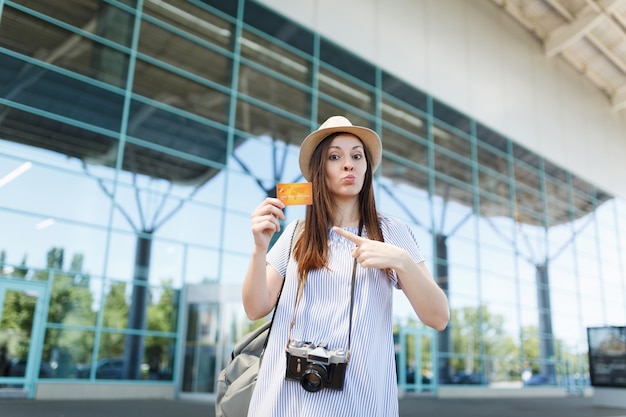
(137, 136)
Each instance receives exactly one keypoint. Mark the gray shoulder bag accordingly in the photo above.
(237, 380)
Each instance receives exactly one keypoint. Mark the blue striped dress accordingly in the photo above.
(370, 387)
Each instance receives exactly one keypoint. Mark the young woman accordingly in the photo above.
(354, 372)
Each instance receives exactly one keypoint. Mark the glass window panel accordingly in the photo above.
(451, 117)
(202, 265)
(526, 272)
(587, 241)
(238, 234)
(463, 281)
(273, 91)
(497, 289)
(460, 172)
(403, 91)
(63, 96)
(400, 174)
(531, 242)
(41, 241)
(66, 352)
(490, 141)
(347, 62)
(156, 361)
(494, 194)
(401, 198)
(279, 27)
(612, 275)
(230, 8)
(497, 233)
(615, 305)
(503, 371)
(497, 261)
(557, 212)
(327, 108)
(452, 202)
(194, 139)
(562, 245)
(564, 303)
(121, 259)
(401, 117)
(589, 277)
(31, 36)
(261, 122)
(269, 160)
(459, 302)
(163, 309)
(191, 224)
(462, 251)
(166, 261)
(83, 201)
(593, 311)
(454, 145)
(186, 55)
(567, 327)
(275, 58)
(501, 327)
(72, 297)
(562, 278)
(115, 308)
(196, 22)
(142, 257)
(409, 148)
(452, 208)
(177, 91)
(346, 92)
(199, 369)
(606, 215)
(73, 12)
(529, 310)
(235, 266)
(246, 196)
(159, 357)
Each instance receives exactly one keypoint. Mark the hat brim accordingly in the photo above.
(370, 139)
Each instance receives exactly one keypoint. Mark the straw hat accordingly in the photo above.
(336, 124)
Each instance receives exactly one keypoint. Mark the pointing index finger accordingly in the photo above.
(348, 235)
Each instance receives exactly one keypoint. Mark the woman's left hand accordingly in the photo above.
(426, 297)
(373, 253)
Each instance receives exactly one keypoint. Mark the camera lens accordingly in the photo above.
(313, 378)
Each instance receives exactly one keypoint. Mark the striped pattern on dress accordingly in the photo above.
(323, 317)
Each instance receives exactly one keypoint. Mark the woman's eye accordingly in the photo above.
(357, 156)
(333, 157)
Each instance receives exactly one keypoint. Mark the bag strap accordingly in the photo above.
(296, 231)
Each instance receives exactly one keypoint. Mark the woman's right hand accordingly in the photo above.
(265, 221)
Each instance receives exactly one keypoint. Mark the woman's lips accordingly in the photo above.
(350, 179)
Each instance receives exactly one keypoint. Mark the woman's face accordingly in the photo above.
(346, 166)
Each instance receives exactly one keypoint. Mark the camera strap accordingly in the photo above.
(300, 291)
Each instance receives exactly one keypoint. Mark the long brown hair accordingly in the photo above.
(311, 249)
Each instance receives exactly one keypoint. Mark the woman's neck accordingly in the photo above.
(347, 214)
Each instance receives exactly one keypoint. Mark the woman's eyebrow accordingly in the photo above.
(339, 147)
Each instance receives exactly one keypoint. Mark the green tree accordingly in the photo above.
(162, 317)
(478, 333)
(115, 316)
(70, 304)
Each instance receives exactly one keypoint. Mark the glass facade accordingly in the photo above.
(136, 136)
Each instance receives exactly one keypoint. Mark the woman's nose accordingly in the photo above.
(348, 166)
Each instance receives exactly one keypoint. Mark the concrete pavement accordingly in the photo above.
(409, 406)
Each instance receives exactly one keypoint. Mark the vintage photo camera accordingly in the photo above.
(315, 367)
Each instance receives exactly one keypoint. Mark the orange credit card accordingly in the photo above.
(295, 193)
